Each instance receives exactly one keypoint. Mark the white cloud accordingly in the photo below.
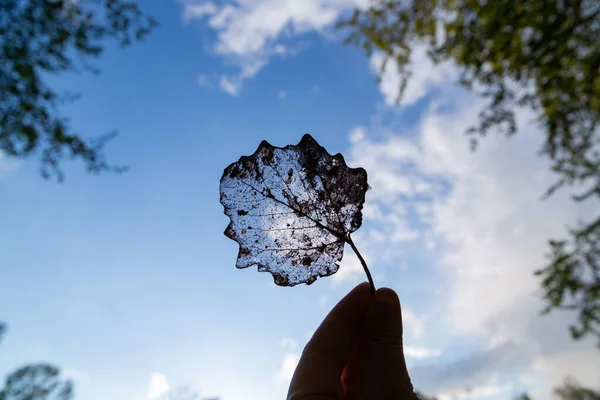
(287, 368)
(401, 232)
(289, 361)
(279, 49)
(229, 86)
(421, 352)
(481, 368)
(490, 232)
(232, 84)
(282, 94)
(424, 76)
(203, 81)
(158, 386)
(288, 343)
(250, 32)
(411, 322)
(251, 27)
(357, 134)
(390, 166)
(195, 9)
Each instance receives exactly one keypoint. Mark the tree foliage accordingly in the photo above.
(44, 38)
(572, 280)
(542, 55)
(571, 390)
(36, 382)
(524, 396)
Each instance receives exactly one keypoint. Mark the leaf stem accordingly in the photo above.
(362, 261)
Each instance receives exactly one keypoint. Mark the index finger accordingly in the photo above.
(320, 368)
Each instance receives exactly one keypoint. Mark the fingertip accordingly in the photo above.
(362, 287)
(384, 319)
(361, 293)
(326, 354)
(388, 298)
(386, 375)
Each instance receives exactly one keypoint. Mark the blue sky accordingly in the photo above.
(129, 285)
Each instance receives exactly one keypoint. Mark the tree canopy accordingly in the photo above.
(36, 382)
(541, 55)
(42, 38)
(571, 390)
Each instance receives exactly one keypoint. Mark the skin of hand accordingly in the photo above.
(356, 353)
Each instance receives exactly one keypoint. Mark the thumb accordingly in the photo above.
(386, 375)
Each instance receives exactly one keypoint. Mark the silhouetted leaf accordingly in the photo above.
(292, 209)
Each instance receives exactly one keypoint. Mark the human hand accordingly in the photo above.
(356, 353)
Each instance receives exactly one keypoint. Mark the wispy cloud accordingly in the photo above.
(287, 368)
(288, 343)
(289, 360)
(481, 368)
(489, 229)
(250, 33)
(421, 352)
(158, 385)
(229, 86)
(203, 81)
(196, 9)
(412, 322)
(425, 76)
